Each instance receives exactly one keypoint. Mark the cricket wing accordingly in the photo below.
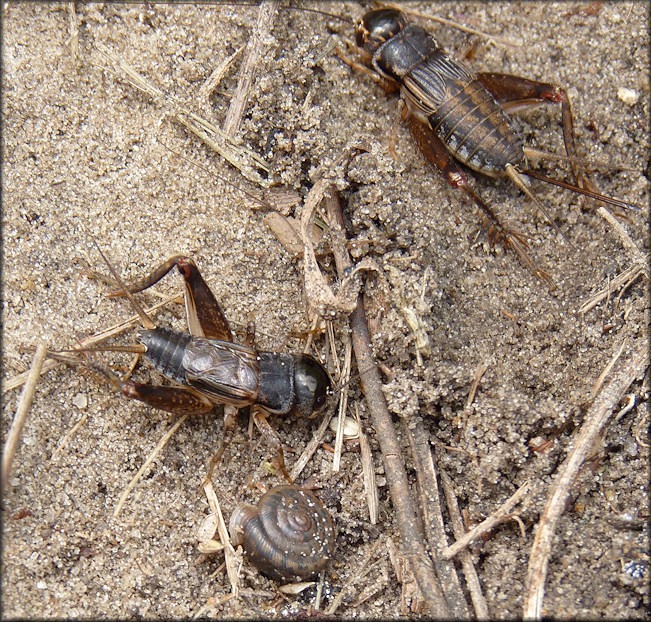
(226, 372)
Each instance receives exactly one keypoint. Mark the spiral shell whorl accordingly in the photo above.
(289, 534)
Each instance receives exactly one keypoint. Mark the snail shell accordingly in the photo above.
(288, 535)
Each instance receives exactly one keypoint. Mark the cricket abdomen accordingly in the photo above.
(476, 130)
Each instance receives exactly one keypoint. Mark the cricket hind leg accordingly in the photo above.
(205, 319)
(494, 228)
(515, 93)
(176, 400)
(204, 314)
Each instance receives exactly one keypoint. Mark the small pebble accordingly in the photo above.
(80, 401)
(628, 96)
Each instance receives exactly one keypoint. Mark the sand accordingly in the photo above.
(87, 156)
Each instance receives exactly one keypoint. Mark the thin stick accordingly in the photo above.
(606, 371)
(319, 591)
(343, 403)
(73, 430)
(639, 427)
(623, 279)
(479, 372)
(243, 159)
(368, 471)
(429, 504)
(266, 15)
(70, 434)
(472, 580)
(636, 254)
(73, 28)
(20, 379)
(232, 563)
(596, 418)
(331, 341)
(359, 572)
(24, 404)
(299, 465)
(145, 466)
(628, 276)
(394, 465)
(486, 525)
(212, 602)
(216, 76)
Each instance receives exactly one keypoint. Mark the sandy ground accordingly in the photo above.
(85, 154)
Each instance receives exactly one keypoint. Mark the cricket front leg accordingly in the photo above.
(386, 85)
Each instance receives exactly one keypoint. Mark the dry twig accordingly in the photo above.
(354, 582)
(599, 382)
(231, 558)
(73, 28)
(343, 404)
(627, 277)
(595, 420)
(394, 465)
(91, 341)
(304, 458)
(266, 15)
(66, 439)
(479, 372)
(368, 471)
(430, 509)
(24, 404)
(486, 525)
(163, 441)
(635, 253)
(243, 159)
(623, 279)
(472, 580)
(216, 76)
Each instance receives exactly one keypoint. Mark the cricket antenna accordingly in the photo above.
(146, 320)
(309, 10)
(337, 389)
(289, 7)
